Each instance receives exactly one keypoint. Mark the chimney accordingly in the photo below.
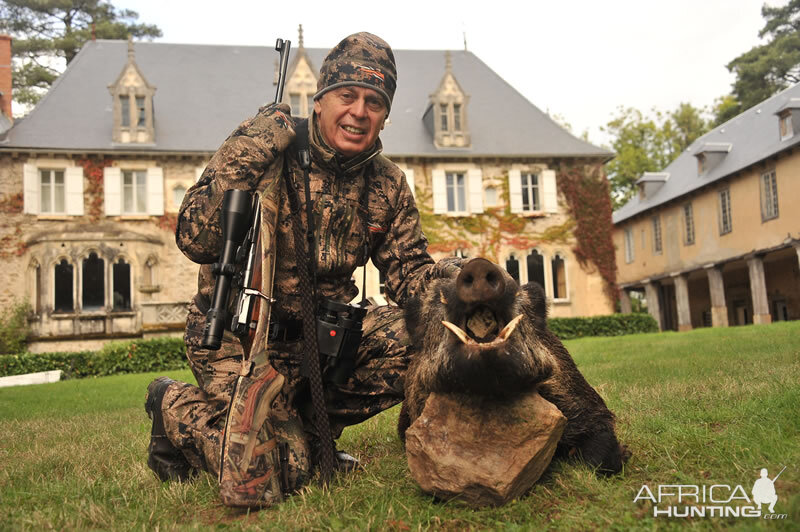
(5, 75)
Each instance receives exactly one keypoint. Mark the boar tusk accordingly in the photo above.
(508, 329)
(455, 329)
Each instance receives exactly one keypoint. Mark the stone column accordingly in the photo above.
(624, 301)
(758, 287)
(653, 306)
(719, 310)
(682, 298)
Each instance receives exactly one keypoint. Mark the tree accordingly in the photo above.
(47, 34)
(648, 144)
(765, 70)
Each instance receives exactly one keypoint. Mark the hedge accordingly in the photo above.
(612, 325)
(138, 356)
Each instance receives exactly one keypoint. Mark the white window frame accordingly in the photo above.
(630, 251)
(547, 189)
(130, 191)
(530, 191)
(769, 196)
(725, 215)
(32, 188)
(114, 191)
(473, 191)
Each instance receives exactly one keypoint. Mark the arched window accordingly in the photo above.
(512, 267)
(63, 287)
(177, 195)
(121, 278)
(93, 297)
(559, 278)
(535, 266)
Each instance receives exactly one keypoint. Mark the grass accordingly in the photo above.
(711, 406)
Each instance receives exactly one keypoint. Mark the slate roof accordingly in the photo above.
(204, 91)
(753, 136)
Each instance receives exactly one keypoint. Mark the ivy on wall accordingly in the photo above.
(588, 196)
(93, 171)
(11, 243)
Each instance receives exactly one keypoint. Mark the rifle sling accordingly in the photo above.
(304, 255)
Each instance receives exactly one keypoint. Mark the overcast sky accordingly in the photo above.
(578, 59)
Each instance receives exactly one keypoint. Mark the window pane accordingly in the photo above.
(457, 117)
(141, 192)
(127, 191)
(140, 111)
(462, 193)
(63, 287)
(443, 114)
(122, 285)
(93, 282)
(58, 192)
(310, 104)
(125, 103)
(294, 99)
(491, 197)
(45, 193)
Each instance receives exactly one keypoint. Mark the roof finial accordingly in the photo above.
(465, 40)
(448, 62)
(300, 36)
(131, 53)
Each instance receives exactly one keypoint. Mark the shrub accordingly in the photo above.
(612, 325)
(14, 328)
(137, 356)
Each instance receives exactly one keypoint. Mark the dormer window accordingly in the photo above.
(788, 114)
(132, 98)
(710, 154)
(650, 183)
(446, 116)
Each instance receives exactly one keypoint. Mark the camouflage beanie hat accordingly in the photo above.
(363, 60)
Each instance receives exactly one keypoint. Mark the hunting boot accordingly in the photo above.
(166, 461)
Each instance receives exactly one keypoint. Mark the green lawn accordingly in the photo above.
(705, 407)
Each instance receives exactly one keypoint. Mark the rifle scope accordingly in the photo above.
(236, 214)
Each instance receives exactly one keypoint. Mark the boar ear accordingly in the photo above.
(535, 293)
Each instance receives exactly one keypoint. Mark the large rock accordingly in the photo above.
(481, 451)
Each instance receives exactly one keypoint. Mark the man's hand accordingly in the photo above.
(272, 128)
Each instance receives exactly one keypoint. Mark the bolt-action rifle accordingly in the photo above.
(240, 264)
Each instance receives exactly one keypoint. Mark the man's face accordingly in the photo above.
(350, 118)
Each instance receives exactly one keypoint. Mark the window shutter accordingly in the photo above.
(475, 190)
(549, 191)
(410, 180)
(112, 189)
(30, 186)
(155, 191)
(515, 190)
(74, 190)
(439, 192)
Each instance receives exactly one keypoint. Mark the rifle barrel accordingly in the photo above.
(283, 48)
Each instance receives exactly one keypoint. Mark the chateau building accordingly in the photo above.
(92, 179)
(714, 238)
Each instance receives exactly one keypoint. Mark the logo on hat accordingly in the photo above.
(370, 72)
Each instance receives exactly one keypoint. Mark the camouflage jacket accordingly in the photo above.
(347, 216)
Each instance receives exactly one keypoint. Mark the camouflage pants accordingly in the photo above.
(194, 416)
